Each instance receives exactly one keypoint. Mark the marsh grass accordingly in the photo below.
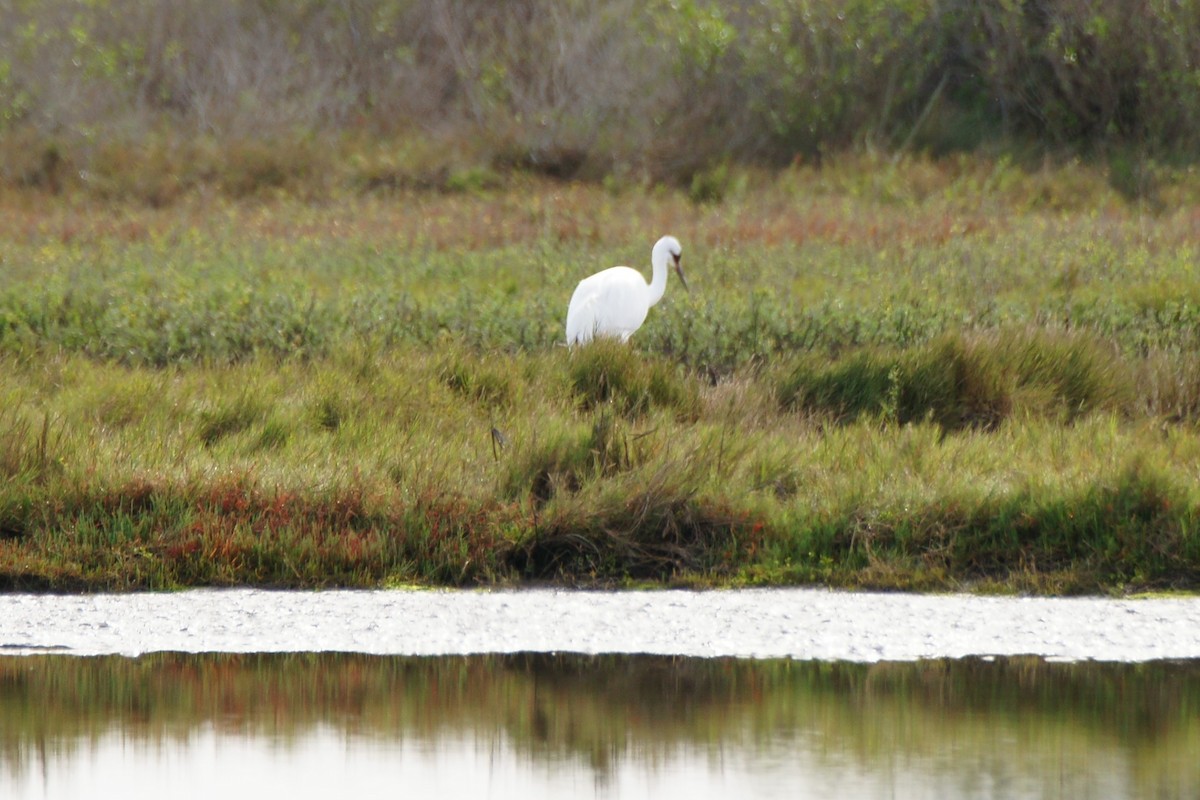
(957, 381)
(28, 450)
(746, 492)
(226, 418)
(606, 371)
(914, 374)
(1112, 533)
(479, 380)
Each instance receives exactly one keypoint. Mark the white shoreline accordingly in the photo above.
(753, 623)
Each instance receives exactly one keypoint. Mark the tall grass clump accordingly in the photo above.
(30, 450)
(228, 417)
(479, 379)
(612, 498)
(1137, 527)
(1171, 388)
(564, 459)
(553, 461)
(958, 382)
(606, 371)
(1140, 528)
(648, 519)
(661, 533)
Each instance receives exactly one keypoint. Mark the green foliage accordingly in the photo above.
(480, 379)
(1115, 534)
(474, 179)
(255, 98)
(1121, 531)
(275, 434)
(833, 72)
(228, 418)
(250, 491)
(330, 412)
(710, 185)
(701, 32)
(956, 383)
(557, 460)
(28, 452)
(606, 371)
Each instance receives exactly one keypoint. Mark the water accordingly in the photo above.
(540, 725)
(767, 693)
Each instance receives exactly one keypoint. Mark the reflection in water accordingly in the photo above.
(556, 725)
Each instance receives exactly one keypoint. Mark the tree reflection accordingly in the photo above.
(599, 712)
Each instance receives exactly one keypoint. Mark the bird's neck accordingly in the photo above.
(658, 283)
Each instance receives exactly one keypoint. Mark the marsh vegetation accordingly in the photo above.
(884, 375)
(259, 328)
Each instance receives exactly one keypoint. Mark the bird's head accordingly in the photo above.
(676, 252)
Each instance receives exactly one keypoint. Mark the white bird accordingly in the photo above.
(614, 303)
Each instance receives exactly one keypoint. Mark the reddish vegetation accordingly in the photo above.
(234, 532)
(480, 222)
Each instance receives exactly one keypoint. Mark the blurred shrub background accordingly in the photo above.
(151, 97)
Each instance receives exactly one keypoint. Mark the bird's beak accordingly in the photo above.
(679, 272)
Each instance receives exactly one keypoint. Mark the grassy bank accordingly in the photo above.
(918, 374)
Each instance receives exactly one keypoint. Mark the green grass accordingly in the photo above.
(958, 382)
(928, 375)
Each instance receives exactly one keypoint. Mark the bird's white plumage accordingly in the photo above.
(610, 303)
(614, 303)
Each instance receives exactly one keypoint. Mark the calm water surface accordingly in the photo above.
(544, 725)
